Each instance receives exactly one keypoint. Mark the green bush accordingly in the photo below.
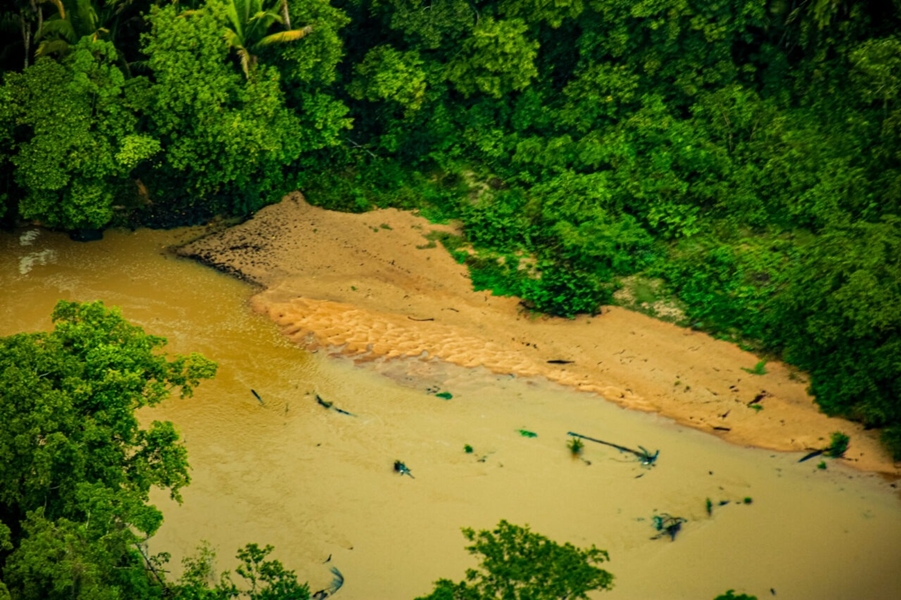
(891, 437)
(516, 563)
(838, 445)
(730, 595)
(564, 292)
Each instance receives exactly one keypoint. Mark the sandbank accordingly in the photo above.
(373, 287)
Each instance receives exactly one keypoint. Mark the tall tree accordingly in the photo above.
(77, 138)
(227, 138)
(76, 466)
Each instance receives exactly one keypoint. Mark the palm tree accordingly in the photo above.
(26, 16)
(249, 22)
(118, 21)
(58, 33)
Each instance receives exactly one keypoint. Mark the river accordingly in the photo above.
(316, 483)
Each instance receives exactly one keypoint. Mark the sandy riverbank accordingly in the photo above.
(369, 285)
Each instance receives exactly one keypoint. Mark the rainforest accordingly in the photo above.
(733, 166)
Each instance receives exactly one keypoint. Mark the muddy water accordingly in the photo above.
(316, 483)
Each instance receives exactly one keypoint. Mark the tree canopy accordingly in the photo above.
(746, 153)
(518, 564)
(76, 468)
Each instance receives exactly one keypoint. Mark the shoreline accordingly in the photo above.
(372, 286)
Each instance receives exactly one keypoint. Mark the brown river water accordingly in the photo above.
(315, 483)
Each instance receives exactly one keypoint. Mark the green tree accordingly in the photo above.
(228, 141)
(431, 25)
(260, 579)
(53, 28)
(76, 466)
(386, 74)
(308, 75)
(77, 139)
(68, 399)
(517, 564)
(6, 149)
(837, 314)
(496, 59)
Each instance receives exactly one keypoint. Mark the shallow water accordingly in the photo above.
(316, 483)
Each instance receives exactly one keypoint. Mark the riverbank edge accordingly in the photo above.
(273, 252)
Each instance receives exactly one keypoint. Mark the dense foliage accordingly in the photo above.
(76, 468)
(519, 564)
(746, 153)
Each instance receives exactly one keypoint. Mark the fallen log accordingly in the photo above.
(813, 454)
(331, 405)
(257, 396)
(644, 455)
(667, 524)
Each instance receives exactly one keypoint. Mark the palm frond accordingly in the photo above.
(286, 18)
(49, 47)
(85, 19)
(247, 61)
(233, 39)
(264, 14)
(286, 36)
(59, 7)
(98, 33)
(61, 28)
(231, 12)
(141, 66)
(259, 23)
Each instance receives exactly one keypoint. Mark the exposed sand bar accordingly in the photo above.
(368, 285)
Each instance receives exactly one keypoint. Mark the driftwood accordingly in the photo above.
(644, 455)
(667, 524)
(257, 396)
(331, 405)
(400, 467)
(558, 361)
(813, 454)
(336, 584)
(763, 394)
(836, 449)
